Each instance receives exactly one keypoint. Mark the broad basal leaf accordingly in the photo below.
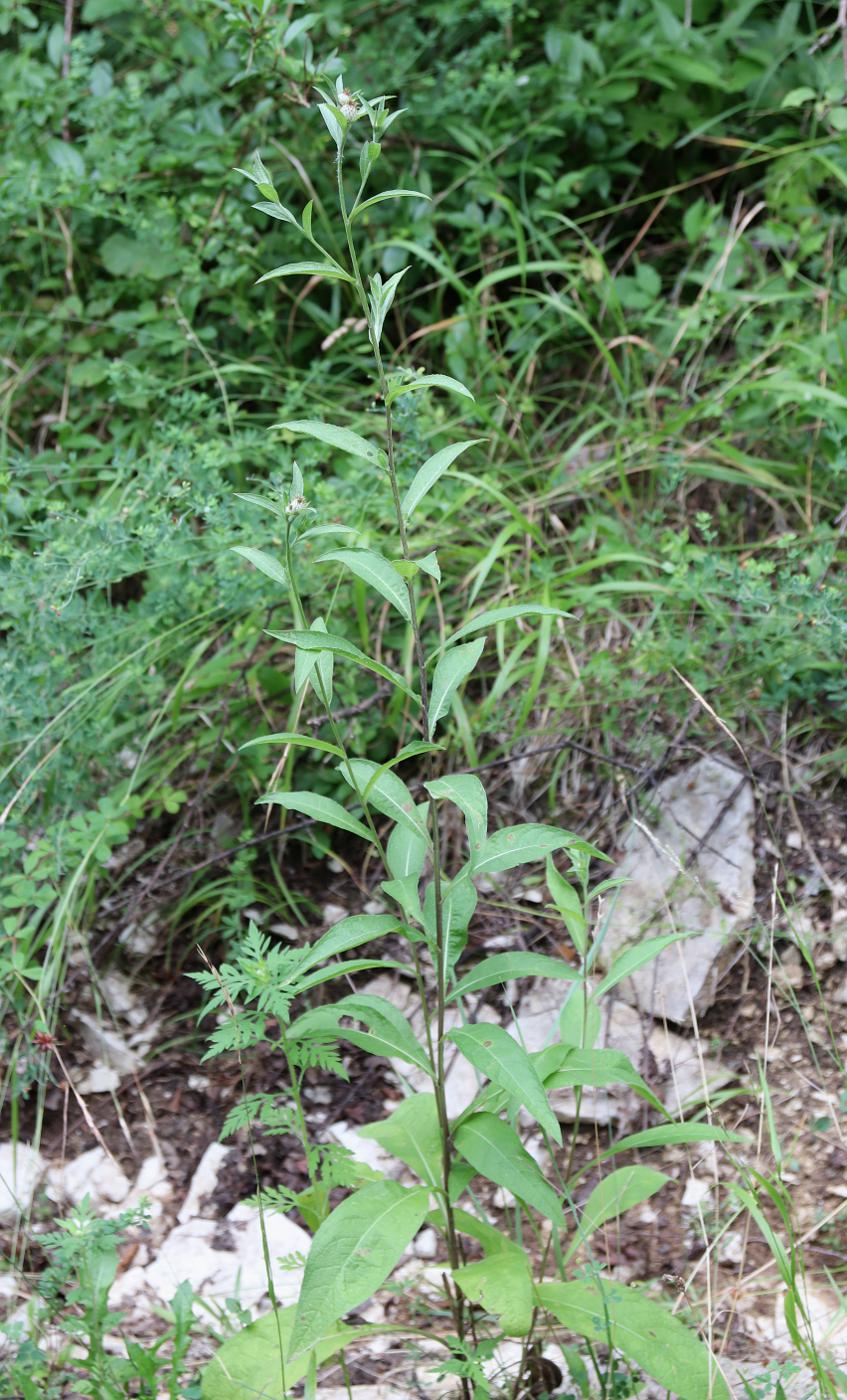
(247, 1365)
(643, 1331)
(352, 1255)
(412, 1135)
(494, 1149)
(501, 1059)
(502, 1285)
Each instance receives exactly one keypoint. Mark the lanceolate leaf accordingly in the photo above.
(387, 194)
(501, 1059)
(502, 1285)
(504, 967)
(667, 1133)
(341, 438)
(494, 1149)
(622, 1189)
(592, 1068)
(643, 1331)
(265, 563)
(349, 933)
(519, 845)
(352, 1255)
(631, 959)
(375, 571)
(453, 668)
(411, 1134)
(321, 809)
(491, 618)
(299, 741)
(386, 792)
(433, 468)
(308, 269)
(435, 381)
(388, 1032)
(467, 792)
(339, 646)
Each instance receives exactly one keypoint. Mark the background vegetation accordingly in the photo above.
(632, 254)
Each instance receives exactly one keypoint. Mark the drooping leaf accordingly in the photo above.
(321, 809)
(352, 1255)
(468, 794)
(504, 967)
(433, 468)
(388, 1032)
(569, 905)
(667, 1133)
(494, 1149)
(341, 438)
(339, 646)
(501, 1059)
(407, 847)
(308, 269)
(643, 1331)
(434, 381)
(502, 1285)
(519, 845)
(386, 792)
(577, 1068)
(490, 618)
(411, 1134)
(618, 1192)
(376, 572)
(301, 741)
(454, 667)
(265, 563)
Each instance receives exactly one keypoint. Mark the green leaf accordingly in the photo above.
(667, 1133)
(375, 571)
(301, 741)
(502, 1285)
(643, 1331)
(469, 795)
(453, 668)
(493, 1241)
(265, 563)
(571, 1068)
(321, 809)
(262, 503)
(495, 615)
(494, 1149)
(339, 646)
(622, 1189)
(519, 845)
(429, 565)
(342, 438)
(411, 1133)
(334, 121)
(569, 905)
(503, 967)
(389, 1033)
(348, 933)
(386, 194)
(247, 1365)
(386, 792)
(408, 846)
(435, 381)
(308, 269)
(353, 1253)
(433, 468)
(497, 1055)
(276, 211)
(631, 959)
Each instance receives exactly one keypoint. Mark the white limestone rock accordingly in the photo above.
(21, 1169)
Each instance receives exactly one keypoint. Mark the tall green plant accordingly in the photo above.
(525, 1283)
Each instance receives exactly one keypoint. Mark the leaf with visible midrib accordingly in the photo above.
(412, 1134)
(619, 1191)
(492, 1050)
(247, 1365)
(497, 1153)
(642, 1330)
(320, 809)
(375, 571)
(433, 468)
(352, 1254)
(342, 438)
(454, 667)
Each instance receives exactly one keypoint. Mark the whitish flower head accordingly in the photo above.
(296, 505)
